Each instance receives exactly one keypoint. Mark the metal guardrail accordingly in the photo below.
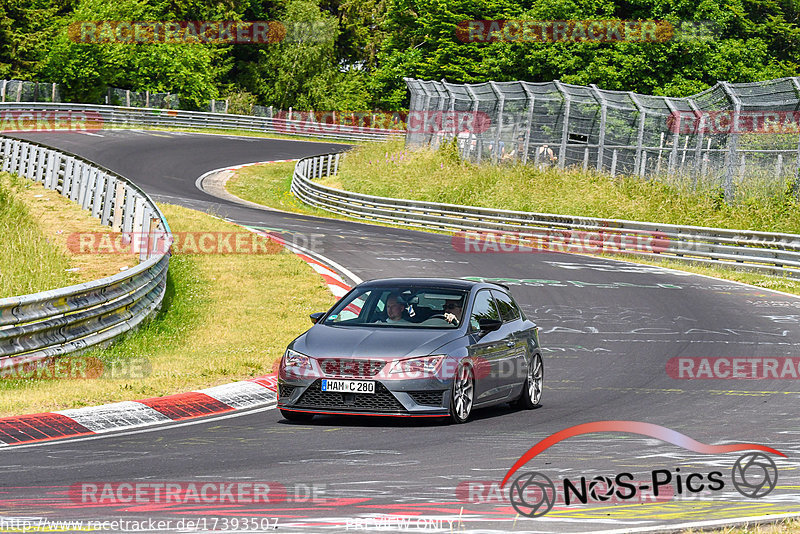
(772, 253)
(70, 319)
(170, 118)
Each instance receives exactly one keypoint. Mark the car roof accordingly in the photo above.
(451, 283)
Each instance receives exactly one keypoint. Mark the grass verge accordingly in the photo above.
(35, 225)
(225, 317)
(389, 169)
(782, 527)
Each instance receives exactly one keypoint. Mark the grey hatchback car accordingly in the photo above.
(413, 347)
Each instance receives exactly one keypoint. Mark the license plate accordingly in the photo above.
(348, 386)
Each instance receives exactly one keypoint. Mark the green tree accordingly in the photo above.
(85, 70)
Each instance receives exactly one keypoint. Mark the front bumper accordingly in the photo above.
(409, 398)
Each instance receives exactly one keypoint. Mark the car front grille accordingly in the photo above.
(350, 367)
(285, 390)
(427, 398)
(380, 401)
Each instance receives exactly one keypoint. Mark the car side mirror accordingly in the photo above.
(489, 325)
(315, 317)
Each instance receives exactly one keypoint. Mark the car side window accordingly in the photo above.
(483, 308)
(353, 310)
(508, 310)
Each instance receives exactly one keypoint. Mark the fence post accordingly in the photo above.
(127, 98)
(733, 142)
(53, 93)
(472, 133)
(602, 138)
(147, 99)
(796, 184)
(701, 126)
(502, 98)
(529, 127)
(673, 156)
(19, 92)
(614, 163)
(3, 90)
(562, 151)
(640, 134)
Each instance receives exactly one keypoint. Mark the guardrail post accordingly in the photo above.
(90, 188)
(99, 193)
(15, 148)
(640, 134)
(53, 164)
(22, 169)
(137, 228)
(66, 182)
(330, 159)
(119, 205)
(129, 210)
(602, 138)
(562, 151)
(41, 163)
(108, 201)
(336, 163)
(733, 142)
(86, 173)
(77, 181)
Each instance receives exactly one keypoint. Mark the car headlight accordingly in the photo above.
(417, 366)
(295, 360)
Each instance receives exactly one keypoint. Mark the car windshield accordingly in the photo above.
(400, 307)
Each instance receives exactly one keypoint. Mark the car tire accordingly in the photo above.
(297, 416)
(531, 396)
(462, 397)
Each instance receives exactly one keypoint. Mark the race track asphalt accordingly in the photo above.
(608, 327)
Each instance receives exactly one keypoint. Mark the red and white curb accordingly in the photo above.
(253, 393)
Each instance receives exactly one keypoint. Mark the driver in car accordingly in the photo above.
(452, 311)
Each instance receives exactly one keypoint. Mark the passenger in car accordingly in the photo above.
(394, 309)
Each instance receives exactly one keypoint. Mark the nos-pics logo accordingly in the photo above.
(533, 494)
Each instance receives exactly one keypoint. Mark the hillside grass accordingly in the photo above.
(391, 170)
(225, 317)
(35, 225)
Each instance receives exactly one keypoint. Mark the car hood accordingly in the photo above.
(323, 341)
